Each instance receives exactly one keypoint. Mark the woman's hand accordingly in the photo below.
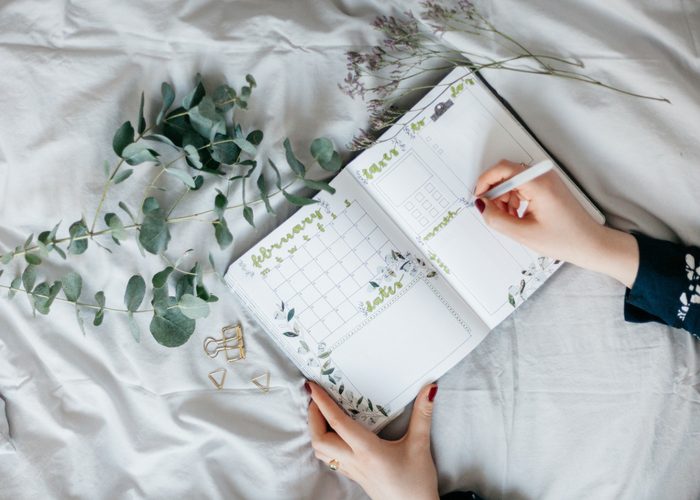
(385, 469)
(555, 224)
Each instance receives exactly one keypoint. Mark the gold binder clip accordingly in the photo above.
(231, 344)
(264, 387)
(219, 384)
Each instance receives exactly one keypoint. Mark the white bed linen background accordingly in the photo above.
(564, 400)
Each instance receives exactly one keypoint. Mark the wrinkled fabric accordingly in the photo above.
(563, 400)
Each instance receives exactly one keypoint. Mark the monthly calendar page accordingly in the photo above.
(351, 301)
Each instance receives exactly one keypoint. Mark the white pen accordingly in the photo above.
(516, 181)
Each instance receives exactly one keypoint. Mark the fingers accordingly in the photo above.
(500, 219)
(495, 175)
(325, 444)
(422, 416)
(350, 431)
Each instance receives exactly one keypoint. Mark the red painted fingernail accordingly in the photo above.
(307, 387)
(480, 205)
(432, 393)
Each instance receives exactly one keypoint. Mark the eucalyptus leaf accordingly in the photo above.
(298, 200)
(255, 137)
(224, 97)
(126, 209)
(206, 120)
(28, 241)
(33, 259)
(141, 120)
(321, 149)
(198, 182)
(248, 215)
(262, 188)
(160, 279)
(160, 138)
(154, 234)
(100, 298)
(319, 185)
(225, 152)
(40, 297)
(172, 329)
(223, 236)
(137, 153)
(116, 225)
(14, 286)
(245, 146)
(123, 175)
(99, 317)
(134, 328)
(251, 81)
(195, 96)
(135, 292)
(220, 202)
(297, 166)
(193, 156)
(29, 278)
(186, 179)
(72, 286)
(78, 230)
(123, 137)
(168, 98)
(80, 321)
(160, 300)
(6, 258)
(193, 307)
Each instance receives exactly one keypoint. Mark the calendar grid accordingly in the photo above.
(327, 275)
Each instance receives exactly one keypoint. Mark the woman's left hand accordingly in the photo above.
(385, 469)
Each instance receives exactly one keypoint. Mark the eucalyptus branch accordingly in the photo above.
(203, 131)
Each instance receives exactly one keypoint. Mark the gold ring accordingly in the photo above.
(334, 464)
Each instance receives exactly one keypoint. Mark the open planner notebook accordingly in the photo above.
(382, 287)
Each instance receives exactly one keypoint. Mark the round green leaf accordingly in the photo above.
(193, 307)
(135, 291)
(321, 149)
(72, 286)
(171, 329)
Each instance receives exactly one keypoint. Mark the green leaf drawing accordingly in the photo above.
(290, 314)
(290, 334)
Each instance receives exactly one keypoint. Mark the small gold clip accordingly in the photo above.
(264, 387)
(228, 344)
(220, 383)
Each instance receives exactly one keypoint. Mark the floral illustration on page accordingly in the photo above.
(318, 360)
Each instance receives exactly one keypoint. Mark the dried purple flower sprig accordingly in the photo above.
(386, 74)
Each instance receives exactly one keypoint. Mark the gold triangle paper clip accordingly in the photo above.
(264, 387)
(219, 384)
(231, 345)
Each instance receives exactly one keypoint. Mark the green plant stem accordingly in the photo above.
(174, 220)
(80, 304)
(105, 189)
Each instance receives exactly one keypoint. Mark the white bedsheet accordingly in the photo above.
(564, 400)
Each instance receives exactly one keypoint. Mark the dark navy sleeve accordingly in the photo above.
(667, 287)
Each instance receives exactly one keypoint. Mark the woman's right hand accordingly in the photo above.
(555, 224)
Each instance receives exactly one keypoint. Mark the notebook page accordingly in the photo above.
(341, 290)
(423, 174)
